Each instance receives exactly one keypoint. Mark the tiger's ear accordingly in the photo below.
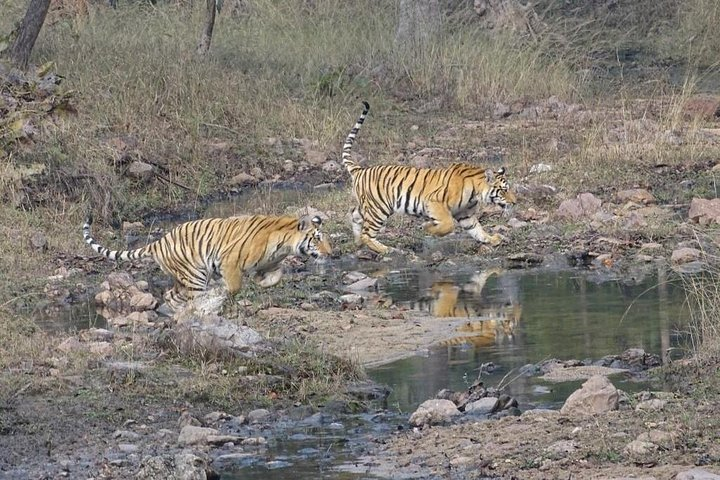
(501, 171)
(489, 175)
(317, 221)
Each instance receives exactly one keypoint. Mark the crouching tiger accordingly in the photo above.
(441, 195)
(192, 252)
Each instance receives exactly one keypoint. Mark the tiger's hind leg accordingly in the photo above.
(472, 226)
(232, 276)
(441, 221)
(368, 237)
(365, 231)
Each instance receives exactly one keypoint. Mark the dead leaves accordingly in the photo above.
(28, 101)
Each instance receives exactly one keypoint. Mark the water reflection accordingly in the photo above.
(520, 317)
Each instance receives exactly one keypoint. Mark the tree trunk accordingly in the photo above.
(419, 22)
(206, 37)
(23, 44)
(509, 15)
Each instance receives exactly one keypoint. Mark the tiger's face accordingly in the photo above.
(314, 243)
(500, 193)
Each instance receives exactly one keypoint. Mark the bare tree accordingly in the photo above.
(419, 22)
(19, 51)
(206, 36)
(509, 15)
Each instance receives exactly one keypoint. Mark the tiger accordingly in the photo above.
(193, 252)
(440, 195)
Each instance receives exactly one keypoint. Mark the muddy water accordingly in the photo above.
(510, 319)
(515, 318)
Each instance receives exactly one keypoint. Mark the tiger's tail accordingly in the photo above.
(112, 254)
(351, 165)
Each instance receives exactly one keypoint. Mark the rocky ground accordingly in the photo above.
(153, 396)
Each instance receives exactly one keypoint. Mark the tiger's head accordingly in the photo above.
(312, 241)
(500, 193)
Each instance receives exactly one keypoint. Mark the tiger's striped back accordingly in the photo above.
(441, 195)
(192, 252)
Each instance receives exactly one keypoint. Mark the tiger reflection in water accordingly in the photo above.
(488, 323)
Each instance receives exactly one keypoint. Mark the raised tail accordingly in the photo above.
(347, 161)
(111, 254)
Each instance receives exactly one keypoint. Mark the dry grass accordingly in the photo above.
(703, 294)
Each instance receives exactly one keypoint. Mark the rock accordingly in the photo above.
(258, 415)
(653, 404)
(353, 276)
(214, 417)
(351, 300)
(561, 448)
(638, 448)
(433, 412)
(182, 466)
(658, 437)
(636, 195)
(99, 349)
(193, 435)
(141, 170)
(704, 211)
(70, 344)
(96, 335)
(583, 206)
(703, 107)
(128, 447)
(254, 441)
(143, 301)
(483, 406)
(121, 371)
(515, 223)
(119, 280)
(500, 110)
(38, 241)
(697, 474)
(365, 284)
(126, 435)
(685, 255)
(186, 418)
(597, 395)
(194, 330)
(223, 439)
(242, 180)
(540, 167)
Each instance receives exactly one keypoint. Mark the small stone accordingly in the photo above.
(351, 300)
(257, 416)
(685, 255)
(639, 448)
(38, 241)
(242, 180)
(653, 404)
(254, 441)
(483, 406)
(128, 447)
(365, 284)
(192, 435)
(141, 170)
(432, 412)
(540, 167)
